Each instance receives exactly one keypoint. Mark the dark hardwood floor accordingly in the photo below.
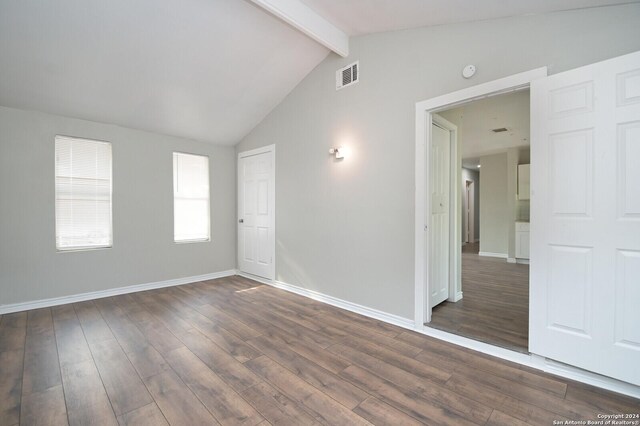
(235, 352)
(495, 304)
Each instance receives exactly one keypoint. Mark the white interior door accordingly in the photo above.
(585, 221)
(256, 213)
(440, 185)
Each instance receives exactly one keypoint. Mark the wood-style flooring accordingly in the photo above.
(495, 304)
(235, 352)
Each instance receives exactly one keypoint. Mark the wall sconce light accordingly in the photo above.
(338, 152)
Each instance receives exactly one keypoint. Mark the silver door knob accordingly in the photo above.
(240, 220)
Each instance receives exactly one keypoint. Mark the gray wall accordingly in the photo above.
(347, 229)
(474, 176)
(495, 212)
(143, 249)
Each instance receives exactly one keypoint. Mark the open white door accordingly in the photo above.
(256, 212)
(440, 187)
(585, 218)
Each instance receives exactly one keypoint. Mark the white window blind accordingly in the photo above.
(190, 198)
(83, 194)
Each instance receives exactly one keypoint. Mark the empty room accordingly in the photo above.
(270, 212)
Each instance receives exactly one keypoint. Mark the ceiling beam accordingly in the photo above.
(305, 19)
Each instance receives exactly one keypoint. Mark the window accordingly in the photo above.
(83, 194)
(190, 198)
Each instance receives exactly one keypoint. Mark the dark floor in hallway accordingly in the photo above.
(495, 304)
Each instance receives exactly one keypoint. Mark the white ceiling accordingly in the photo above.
(476, 121)
(208, 70)
(357, 17)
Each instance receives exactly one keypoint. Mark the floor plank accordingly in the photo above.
(41, 366)
(149, 415)
(324, 408)
(224, 365)
(13, 331)
(11, 367)
(121, 381)
(46, 407)
(380, 413)
(339, 389)
(276, 407)
(176, 401)
(72, 345)
(85, 396)
(409, 402)
(221, 400)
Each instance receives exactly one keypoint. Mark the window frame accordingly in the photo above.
(173, 176)
(55, 198)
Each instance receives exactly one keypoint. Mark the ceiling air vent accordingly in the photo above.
(500, 130)
(348, 75)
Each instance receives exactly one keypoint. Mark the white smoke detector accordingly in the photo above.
(469, 71)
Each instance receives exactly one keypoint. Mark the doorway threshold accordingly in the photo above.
(482, 336)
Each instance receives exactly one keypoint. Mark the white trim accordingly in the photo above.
(522, 261)
(529, 360)
(491, 254)
(272, 202)
(484, 90)
(305, 19)
(511, 260)
(458, 296)
(424, 110)
(261, 150)
(334, 301)
(55, 301)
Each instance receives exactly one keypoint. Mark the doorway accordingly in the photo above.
(468, 212)
(427, 113)
(256, 212)
(494, 276)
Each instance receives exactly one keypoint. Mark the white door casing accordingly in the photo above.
(585, 218)
(440, 191)
(256, 212)
(425, 114)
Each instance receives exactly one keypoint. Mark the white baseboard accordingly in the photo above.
(55, 301)
(530, 360)
(511, 260)
(522, 261)
(490, 254)
(334, 301)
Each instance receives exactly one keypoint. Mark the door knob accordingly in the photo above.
(240, 220)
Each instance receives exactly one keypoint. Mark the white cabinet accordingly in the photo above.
(522, 240)
(523, 181)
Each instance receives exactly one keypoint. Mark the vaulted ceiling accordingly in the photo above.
(208, 70)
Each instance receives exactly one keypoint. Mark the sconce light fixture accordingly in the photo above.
(338, 152)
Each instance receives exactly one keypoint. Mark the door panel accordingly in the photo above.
(256, 210)
(440, 181)
(585, 218)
